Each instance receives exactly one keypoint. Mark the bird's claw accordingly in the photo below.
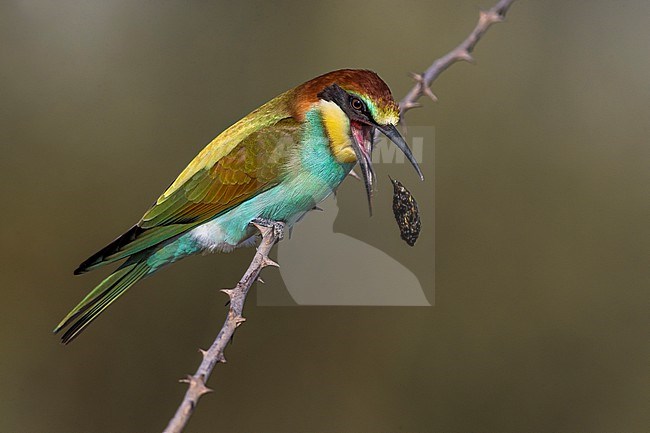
(276, 226)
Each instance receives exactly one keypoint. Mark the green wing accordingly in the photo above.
(242, 162)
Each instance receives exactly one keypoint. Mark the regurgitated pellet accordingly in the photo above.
(406, 213)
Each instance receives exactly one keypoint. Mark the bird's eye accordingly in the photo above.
(356, 103)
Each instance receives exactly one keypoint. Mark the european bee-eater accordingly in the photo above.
(276, 164)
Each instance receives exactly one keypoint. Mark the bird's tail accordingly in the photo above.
(103, 295)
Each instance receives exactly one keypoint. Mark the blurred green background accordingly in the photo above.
(541, 197)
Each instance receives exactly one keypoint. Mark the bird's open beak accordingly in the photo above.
(362, 144)
(362, 135)
(393, 135)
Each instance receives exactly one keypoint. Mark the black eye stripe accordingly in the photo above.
(344, 100)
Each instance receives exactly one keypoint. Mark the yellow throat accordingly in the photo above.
(337, 126)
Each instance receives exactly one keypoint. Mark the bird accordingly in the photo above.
(275, 164)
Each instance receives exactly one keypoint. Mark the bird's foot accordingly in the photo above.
(277, 226)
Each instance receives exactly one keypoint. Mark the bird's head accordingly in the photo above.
(355, 103)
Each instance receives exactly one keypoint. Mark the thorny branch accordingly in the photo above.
(462, 52)
(273, 231)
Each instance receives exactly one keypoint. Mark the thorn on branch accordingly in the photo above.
(464, 55)
(204, 390)
(483, 17)
(423, 88)
(268, 262)
(418, 78)
(199, 384)
(427, 91)
(487, 18)
(409, 105)
(186, 379)
(229, 292)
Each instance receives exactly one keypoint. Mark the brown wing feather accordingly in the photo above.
(250, 168)
(253, 166)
